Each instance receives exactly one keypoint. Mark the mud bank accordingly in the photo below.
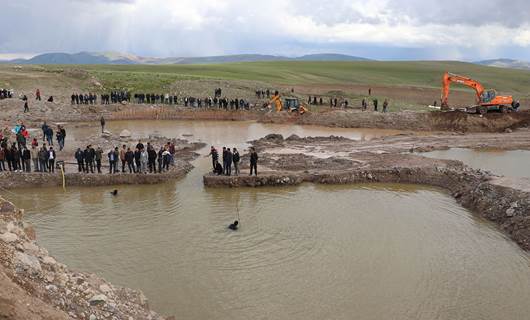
(36, 286)
(15, 180)
(417, 121)
(352, 118)
(507, 206)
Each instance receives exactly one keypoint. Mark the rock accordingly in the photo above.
(106, 134)
(125, 133)
(49, 260)
(97, 299)
(510, 212)
(51, 287)
(8, 237)
(7, 207)
(28, 262)
(30, 247)
(92, 317)
(105, 288)
(508, 130)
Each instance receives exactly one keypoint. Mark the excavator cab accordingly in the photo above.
(488, 95)
(292, 104)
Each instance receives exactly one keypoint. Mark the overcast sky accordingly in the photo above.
(378, 29)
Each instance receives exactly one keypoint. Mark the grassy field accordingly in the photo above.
(419, 74)
(409, 85)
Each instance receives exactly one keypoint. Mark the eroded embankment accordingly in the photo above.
(36, 286)
(14, 180)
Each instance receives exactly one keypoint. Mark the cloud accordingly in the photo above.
(469, 29)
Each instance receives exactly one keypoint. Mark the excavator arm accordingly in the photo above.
(449, 78)
(276, 100)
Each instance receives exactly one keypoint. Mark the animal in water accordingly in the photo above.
(114, 192)
(233, 226)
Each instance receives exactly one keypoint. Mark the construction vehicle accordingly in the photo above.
(486, 100)
(290, 104)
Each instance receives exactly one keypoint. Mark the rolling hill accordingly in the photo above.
(126, 59)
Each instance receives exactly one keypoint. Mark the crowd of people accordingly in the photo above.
(6, 94)
(141, 160)
(105, 98)
(220, 103)
(231, 157)
(375, 104)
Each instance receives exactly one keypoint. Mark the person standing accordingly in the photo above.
(224, 160)
(253, 161)
(113, 158)
(123, 151)
(26, 159)
(90, 154)
(16, 158)
(43, 159)
(385, 106)
(26, 107)
(166, 155)
(229, 158)
(137, 160)
(144, 157)
(2, 159)
(80, 156)
(37, 95)
(375, 105)
(34, 154)
(129, 158)
(235, 159)
(98, 154)
(51, 159)
(44, 128)
(151, 158)
(161, 159)
(102, 122)
(215, 156)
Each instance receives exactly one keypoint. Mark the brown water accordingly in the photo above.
(306, 252)
(515, 164)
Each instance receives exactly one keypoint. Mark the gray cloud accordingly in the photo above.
(399, 28)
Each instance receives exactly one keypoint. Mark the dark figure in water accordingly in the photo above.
(233, 226)
(114, 193)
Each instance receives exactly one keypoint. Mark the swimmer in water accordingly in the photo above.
(114, 193)
(233, 226)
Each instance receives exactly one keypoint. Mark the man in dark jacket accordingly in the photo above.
(215, 156)
(26, 159)
(151, 158)
(235, 159)
(98, 154)
(80, 157)
(89, 154)
(129, 158)
(51, 159)
(253, 161)
(229, 158)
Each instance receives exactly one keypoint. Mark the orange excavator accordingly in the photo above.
(487, 100)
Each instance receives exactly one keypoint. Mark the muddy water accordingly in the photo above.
(307, 252)
(227, 132)
(506, 163)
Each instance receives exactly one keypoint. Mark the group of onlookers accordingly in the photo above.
(6, 94)
(22, 159)
(143, 159)
(229, 158)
